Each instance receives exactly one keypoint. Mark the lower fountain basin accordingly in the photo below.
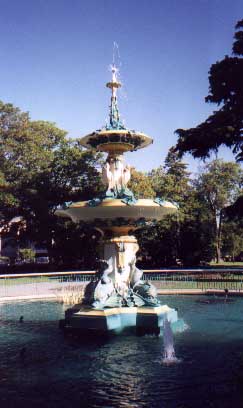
(114, 209)
(141, 320)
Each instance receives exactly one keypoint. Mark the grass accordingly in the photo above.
(23, 281)
(225, 264)
(9, 281)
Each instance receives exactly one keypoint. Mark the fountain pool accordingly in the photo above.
(123, 371)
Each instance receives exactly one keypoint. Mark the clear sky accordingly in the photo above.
(54, 58)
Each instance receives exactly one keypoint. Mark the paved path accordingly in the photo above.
(38, 290)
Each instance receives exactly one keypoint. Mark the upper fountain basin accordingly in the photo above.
(116, 140)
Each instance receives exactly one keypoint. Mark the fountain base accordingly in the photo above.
(141, 320)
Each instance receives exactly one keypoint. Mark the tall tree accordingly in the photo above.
(39, 169)
(224, 126)
(171, 181)
(219, 185)
(232, 238)
(196, 235)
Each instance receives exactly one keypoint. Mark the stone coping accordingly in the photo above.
(123, 310)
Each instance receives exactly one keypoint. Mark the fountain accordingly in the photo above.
(169, 356)
(118, 298)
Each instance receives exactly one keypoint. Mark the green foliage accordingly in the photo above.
(40, 169)
(171, 181)
(196, 233)
(4, 259)
(8, 202)
(75, 245)
(223, 127)
(26, 147)
(232, 239)
(141, 185)
(27, 254)
(219, 185)
(176, 236)
(158, 244)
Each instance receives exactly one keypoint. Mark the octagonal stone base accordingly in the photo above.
(139, 320)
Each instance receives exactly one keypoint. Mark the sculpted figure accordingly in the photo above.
(105, 286)
(120, 254)
(99, 291)
(118, 168)
(143, 289)
(135, 274)
(126, 175)
(115, 175)
(107, 176)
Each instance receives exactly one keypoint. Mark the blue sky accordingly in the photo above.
(54, 58)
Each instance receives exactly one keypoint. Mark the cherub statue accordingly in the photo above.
(115, 175)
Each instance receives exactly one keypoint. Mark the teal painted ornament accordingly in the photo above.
(159, 201)
(94, 202)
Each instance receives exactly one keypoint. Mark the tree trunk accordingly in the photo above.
(218, 236)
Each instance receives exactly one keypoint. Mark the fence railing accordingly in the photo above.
(41, 284)
(198, 279)
(52, 283)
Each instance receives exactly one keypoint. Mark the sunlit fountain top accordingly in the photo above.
(115, 137)
(116, 213)
(118, 203)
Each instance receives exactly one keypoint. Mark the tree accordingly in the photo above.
(219, 185)
(171, 181)
(72, 176)
(196, 234)
(224, 126)
(232, 239)
(200, 227)
(141, 185)
(8, 202)
(27, 254)
(40, 169)
(163, 243)
(26, 150)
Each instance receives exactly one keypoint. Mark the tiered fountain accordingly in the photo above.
(118, 298)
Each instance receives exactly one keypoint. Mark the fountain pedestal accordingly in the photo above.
(141, 320)
(119, 253)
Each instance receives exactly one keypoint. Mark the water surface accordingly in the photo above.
(124, 371)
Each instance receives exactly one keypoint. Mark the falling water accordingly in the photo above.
(169, 356)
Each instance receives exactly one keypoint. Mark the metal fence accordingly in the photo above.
(41, 284)
(51, 284)
(196, 279)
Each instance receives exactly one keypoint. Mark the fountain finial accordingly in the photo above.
(114, 116)
(115, 138)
